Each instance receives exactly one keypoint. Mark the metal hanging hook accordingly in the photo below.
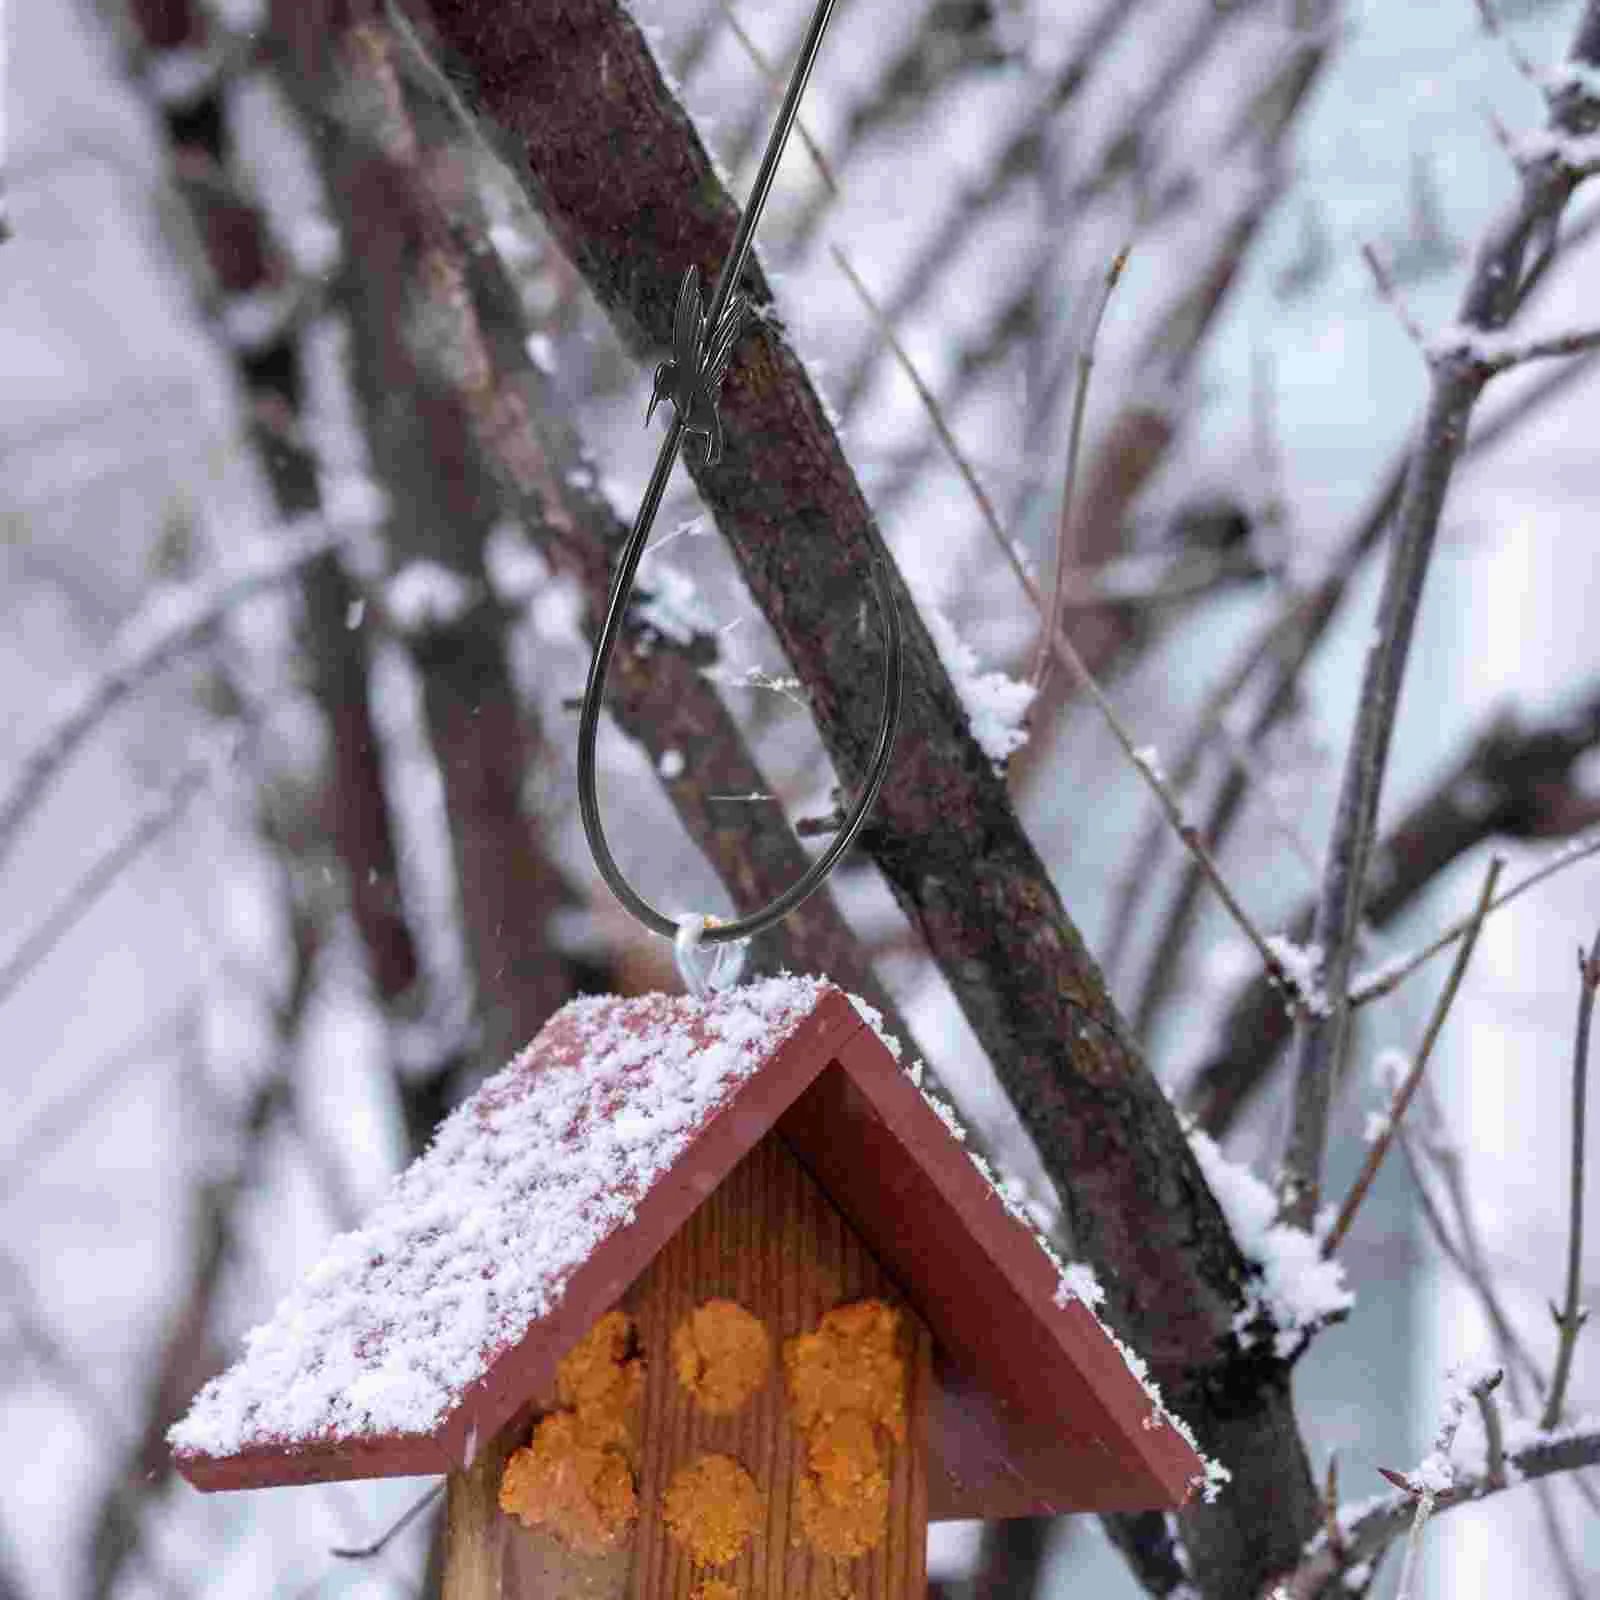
(702, 346)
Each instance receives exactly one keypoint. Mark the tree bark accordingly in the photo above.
(613, 164)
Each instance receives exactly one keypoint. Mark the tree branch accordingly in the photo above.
(1371, 1529)
(1516, 781)
(166, 626)
(1379, 1147)
(241, 261)
(1572, 1316)
(1456, 381)
(659, 689)
(945, 834)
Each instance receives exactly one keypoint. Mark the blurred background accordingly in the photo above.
(232, 1008)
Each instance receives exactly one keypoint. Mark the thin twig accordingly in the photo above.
(1368, 1534)
(777, 81)
(366, 1552)
(1379, 1147)
(1065, 652)
(1393, 973)
(1390, 291)
(1008, 548)
(1466, 1257)
(1080, 399)
(1330, 1505)
(1492, 26)
(1571, 1318)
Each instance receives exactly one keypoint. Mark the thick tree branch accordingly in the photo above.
(616, 168)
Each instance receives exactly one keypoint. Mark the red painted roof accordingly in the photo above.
(546, 1194)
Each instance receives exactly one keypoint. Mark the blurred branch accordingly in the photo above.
(242, 264)
(187, 1357)
(1466, 1254)
(101, 873)
(1139, 438)
(775, 83)
(1055, 641)
(1456, 380)
(96, 1412)
(424, 389)
(167, 625)
(66, 1113)
(953, 38)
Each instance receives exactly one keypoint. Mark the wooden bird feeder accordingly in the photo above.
(715, 1300)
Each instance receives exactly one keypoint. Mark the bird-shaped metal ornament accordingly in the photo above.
(700, 357)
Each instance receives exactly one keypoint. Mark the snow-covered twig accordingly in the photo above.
(1371, 1526)
(1436, 1475)
(163, 629)
(1379, 1147)
(1572, 1316)
(1490, 353)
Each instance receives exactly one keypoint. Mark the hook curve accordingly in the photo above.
(703, 341)
(589, 723)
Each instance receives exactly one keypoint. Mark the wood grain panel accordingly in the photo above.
(770, 1240)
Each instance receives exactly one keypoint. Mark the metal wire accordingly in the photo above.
(702, 346)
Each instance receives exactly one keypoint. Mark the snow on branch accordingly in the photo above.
(1457, 1475)
(1298, 1288)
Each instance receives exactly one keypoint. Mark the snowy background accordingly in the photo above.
(129, 1043)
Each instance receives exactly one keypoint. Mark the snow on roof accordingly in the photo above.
(479, 1237)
